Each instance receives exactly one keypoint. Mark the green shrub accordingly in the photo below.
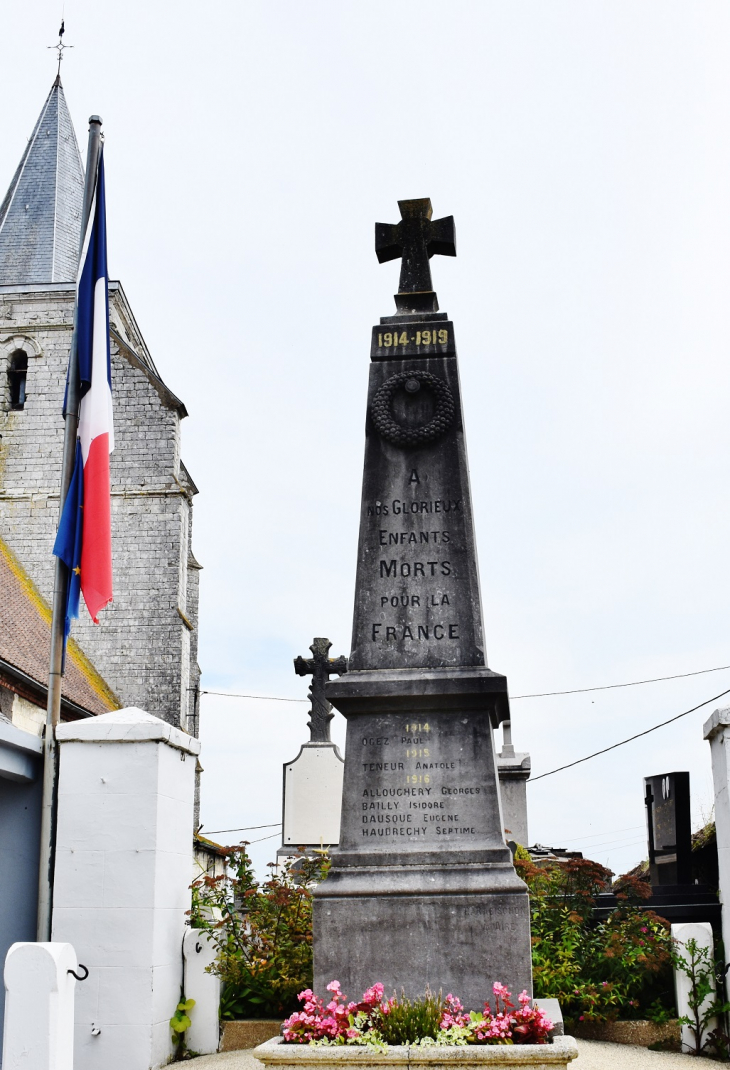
(599, 971)
(262, 931)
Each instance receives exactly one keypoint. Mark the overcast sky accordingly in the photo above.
(583, 148)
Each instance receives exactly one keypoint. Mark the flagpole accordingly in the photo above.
(55, 675)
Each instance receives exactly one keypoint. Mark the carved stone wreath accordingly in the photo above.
(440, 422)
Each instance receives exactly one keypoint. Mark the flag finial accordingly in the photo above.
(60, 47)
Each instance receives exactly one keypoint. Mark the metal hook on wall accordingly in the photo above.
(81, 967)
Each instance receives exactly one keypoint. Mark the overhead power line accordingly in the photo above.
(267, 698)
(638, 735)
(592, 835)
(513, 698)
(247, 828)
(632, 683)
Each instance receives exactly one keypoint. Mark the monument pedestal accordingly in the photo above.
(422, 890)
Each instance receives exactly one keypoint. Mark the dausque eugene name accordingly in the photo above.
(419, 802)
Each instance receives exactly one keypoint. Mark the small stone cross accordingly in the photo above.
(416, 238)
(320, 668)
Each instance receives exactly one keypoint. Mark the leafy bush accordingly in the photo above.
(263, 933)
(599, 971)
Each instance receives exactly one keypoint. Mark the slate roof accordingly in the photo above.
(40, 217)
(25, 638)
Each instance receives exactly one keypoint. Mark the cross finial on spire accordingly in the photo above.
(416, 238)
(60, 48)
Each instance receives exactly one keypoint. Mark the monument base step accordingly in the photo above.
(280, 1056)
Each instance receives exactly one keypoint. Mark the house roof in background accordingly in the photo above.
(25, 637)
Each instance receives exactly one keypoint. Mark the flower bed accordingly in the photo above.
(428, 1022)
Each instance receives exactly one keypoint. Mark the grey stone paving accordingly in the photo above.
(594, 1055)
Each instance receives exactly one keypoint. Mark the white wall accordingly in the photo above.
(122, 878)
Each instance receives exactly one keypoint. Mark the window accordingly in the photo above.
(17, 373)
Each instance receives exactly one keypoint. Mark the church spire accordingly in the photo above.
(40, 217)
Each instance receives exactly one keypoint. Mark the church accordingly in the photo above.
(144, 650)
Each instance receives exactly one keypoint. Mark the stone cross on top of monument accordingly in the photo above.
(320, 668)
(415, 239)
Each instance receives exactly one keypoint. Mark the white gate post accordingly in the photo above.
(39, 1007)
(205, 988)
(124, 853)
(701, 933)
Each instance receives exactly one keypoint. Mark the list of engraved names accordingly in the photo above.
(421, 781)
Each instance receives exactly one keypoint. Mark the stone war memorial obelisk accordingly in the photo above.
(422, 890)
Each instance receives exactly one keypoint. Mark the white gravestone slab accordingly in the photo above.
(205, 988)
(122, 880)
(701, 933)
(313, 797)
(39, 1007)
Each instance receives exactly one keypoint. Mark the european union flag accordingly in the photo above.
(69, 540)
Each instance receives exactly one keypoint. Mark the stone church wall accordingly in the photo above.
(145, 646)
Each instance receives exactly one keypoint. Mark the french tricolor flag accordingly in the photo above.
(84, 540)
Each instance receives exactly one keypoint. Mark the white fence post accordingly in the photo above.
(701, 933)
(205, 988)
(39, 1007)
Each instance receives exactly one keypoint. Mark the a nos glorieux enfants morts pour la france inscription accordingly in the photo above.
(418, 602)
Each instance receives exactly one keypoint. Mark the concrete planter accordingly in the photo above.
(282, 1056)
(238, 1036)
(639, 1032)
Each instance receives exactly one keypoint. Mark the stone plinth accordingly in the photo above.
(422, 890)
(122, 880)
